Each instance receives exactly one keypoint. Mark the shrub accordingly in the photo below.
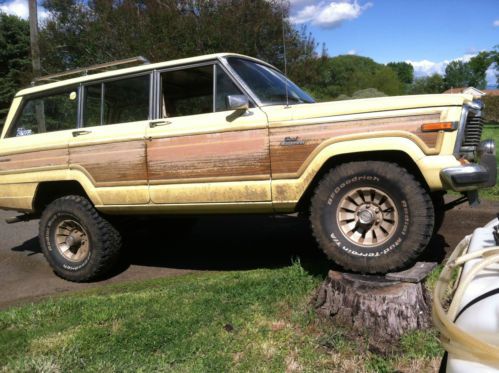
(491, 111)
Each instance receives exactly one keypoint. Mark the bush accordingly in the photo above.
(363, 93)
(491, 111)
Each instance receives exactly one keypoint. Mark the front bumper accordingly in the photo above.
(473, 176)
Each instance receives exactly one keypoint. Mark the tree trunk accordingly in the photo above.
(374, 306)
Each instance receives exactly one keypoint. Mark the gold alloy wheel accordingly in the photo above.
(71, 240)
(367, 216)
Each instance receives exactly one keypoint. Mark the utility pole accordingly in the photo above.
(33, 38)
(35, 59)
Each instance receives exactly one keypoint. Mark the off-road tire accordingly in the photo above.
(439, 209)
(409, 234)
(102, 240)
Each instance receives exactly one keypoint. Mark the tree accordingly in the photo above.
(428, 84)
(458, 74)
(363, 93)
(494, 56)
(478, 66)
(14, 59)
(348, 74)
(83, 33)
(404, 70)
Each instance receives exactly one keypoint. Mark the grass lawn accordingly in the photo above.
(244, 321)
(491, 131)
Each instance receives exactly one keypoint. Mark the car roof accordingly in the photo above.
(131, 70)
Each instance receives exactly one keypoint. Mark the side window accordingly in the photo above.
(224, 87)
(187, 92)
(91, 113)
(55, 112)
(190, 91)
(118, 101)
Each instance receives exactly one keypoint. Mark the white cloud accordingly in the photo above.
(327, 14)
(20, 9)
(352, 52)
(427, 68)
(496, 23)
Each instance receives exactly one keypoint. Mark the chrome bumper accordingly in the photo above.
(473, 176)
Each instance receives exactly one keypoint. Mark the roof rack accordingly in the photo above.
(94, 68)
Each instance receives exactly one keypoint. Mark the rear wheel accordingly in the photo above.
(371, 217)
(79, 243)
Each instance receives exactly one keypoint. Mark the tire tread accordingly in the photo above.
(423, 215)
(106, 234)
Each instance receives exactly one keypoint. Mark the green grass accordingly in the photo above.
(246, 321)
(491, 131)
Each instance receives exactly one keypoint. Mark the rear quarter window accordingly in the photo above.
(54, 112)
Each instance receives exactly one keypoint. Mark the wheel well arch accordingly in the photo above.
(48, 191)
(395, 156)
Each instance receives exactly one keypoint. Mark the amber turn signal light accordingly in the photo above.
(440, 126)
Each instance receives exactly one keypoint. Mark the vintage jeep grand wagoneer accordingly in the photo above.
(227, 133)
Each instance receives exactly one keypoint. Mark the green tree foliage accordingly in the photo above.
(471, 73)
(404, 70)
(494, 56)
(428, 84)
(80, 33)
(458, 74)
(478, 66)
(344, 75)
(363, 93)
(14, 59)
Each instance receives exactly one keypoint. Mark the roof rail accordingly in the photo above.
(93, 68)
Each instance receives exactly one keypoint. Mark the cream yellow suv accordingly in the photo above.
(227, 133)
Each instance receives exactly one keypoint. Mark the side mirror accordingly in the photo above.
(237, 102)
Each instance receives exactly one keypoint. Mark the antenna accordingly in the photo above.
(284, 54)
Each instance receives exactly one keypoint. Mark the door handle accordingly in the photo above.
(80, 133)
(158, 123)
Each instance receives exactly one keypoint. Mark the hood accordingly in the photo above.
(365, 105)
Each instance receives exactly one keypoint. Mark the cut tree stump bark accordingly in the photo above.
(374, 306)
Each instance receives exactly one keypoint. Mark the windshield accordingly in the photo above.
(268, 84)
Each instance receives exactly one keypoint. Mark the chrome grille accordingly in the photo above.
(472, 130)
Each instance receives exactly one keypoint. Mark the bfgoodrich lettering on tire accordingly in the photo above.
(77, 241)
(371, 217)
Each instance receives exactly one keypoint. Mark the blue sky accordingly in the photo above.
(426, 33)
(429, 34)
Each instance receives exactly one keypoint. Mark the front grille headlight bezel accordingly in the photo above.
(469, 131)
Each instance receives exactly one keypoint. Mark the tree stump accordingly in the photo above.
(375, 306)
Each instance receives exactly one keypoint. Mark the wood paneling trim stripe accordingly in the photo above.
(44, 159)
(120, 163)
(290, 161)
(240, 155)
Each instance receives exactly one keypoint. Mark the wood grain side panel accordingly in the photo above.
(243, 154)
(116, 163)
(289, 159)
(33, 160)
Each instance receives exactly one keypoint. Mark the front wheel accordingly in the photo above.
(371, 217)
(79, 244)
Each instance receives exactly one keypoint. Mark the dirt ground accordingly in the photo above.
(220, 243)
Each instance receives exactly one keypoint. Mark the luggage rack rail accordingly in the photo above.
(93, 68)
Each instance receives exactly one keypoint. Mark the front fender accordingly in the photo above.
(288, 190)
